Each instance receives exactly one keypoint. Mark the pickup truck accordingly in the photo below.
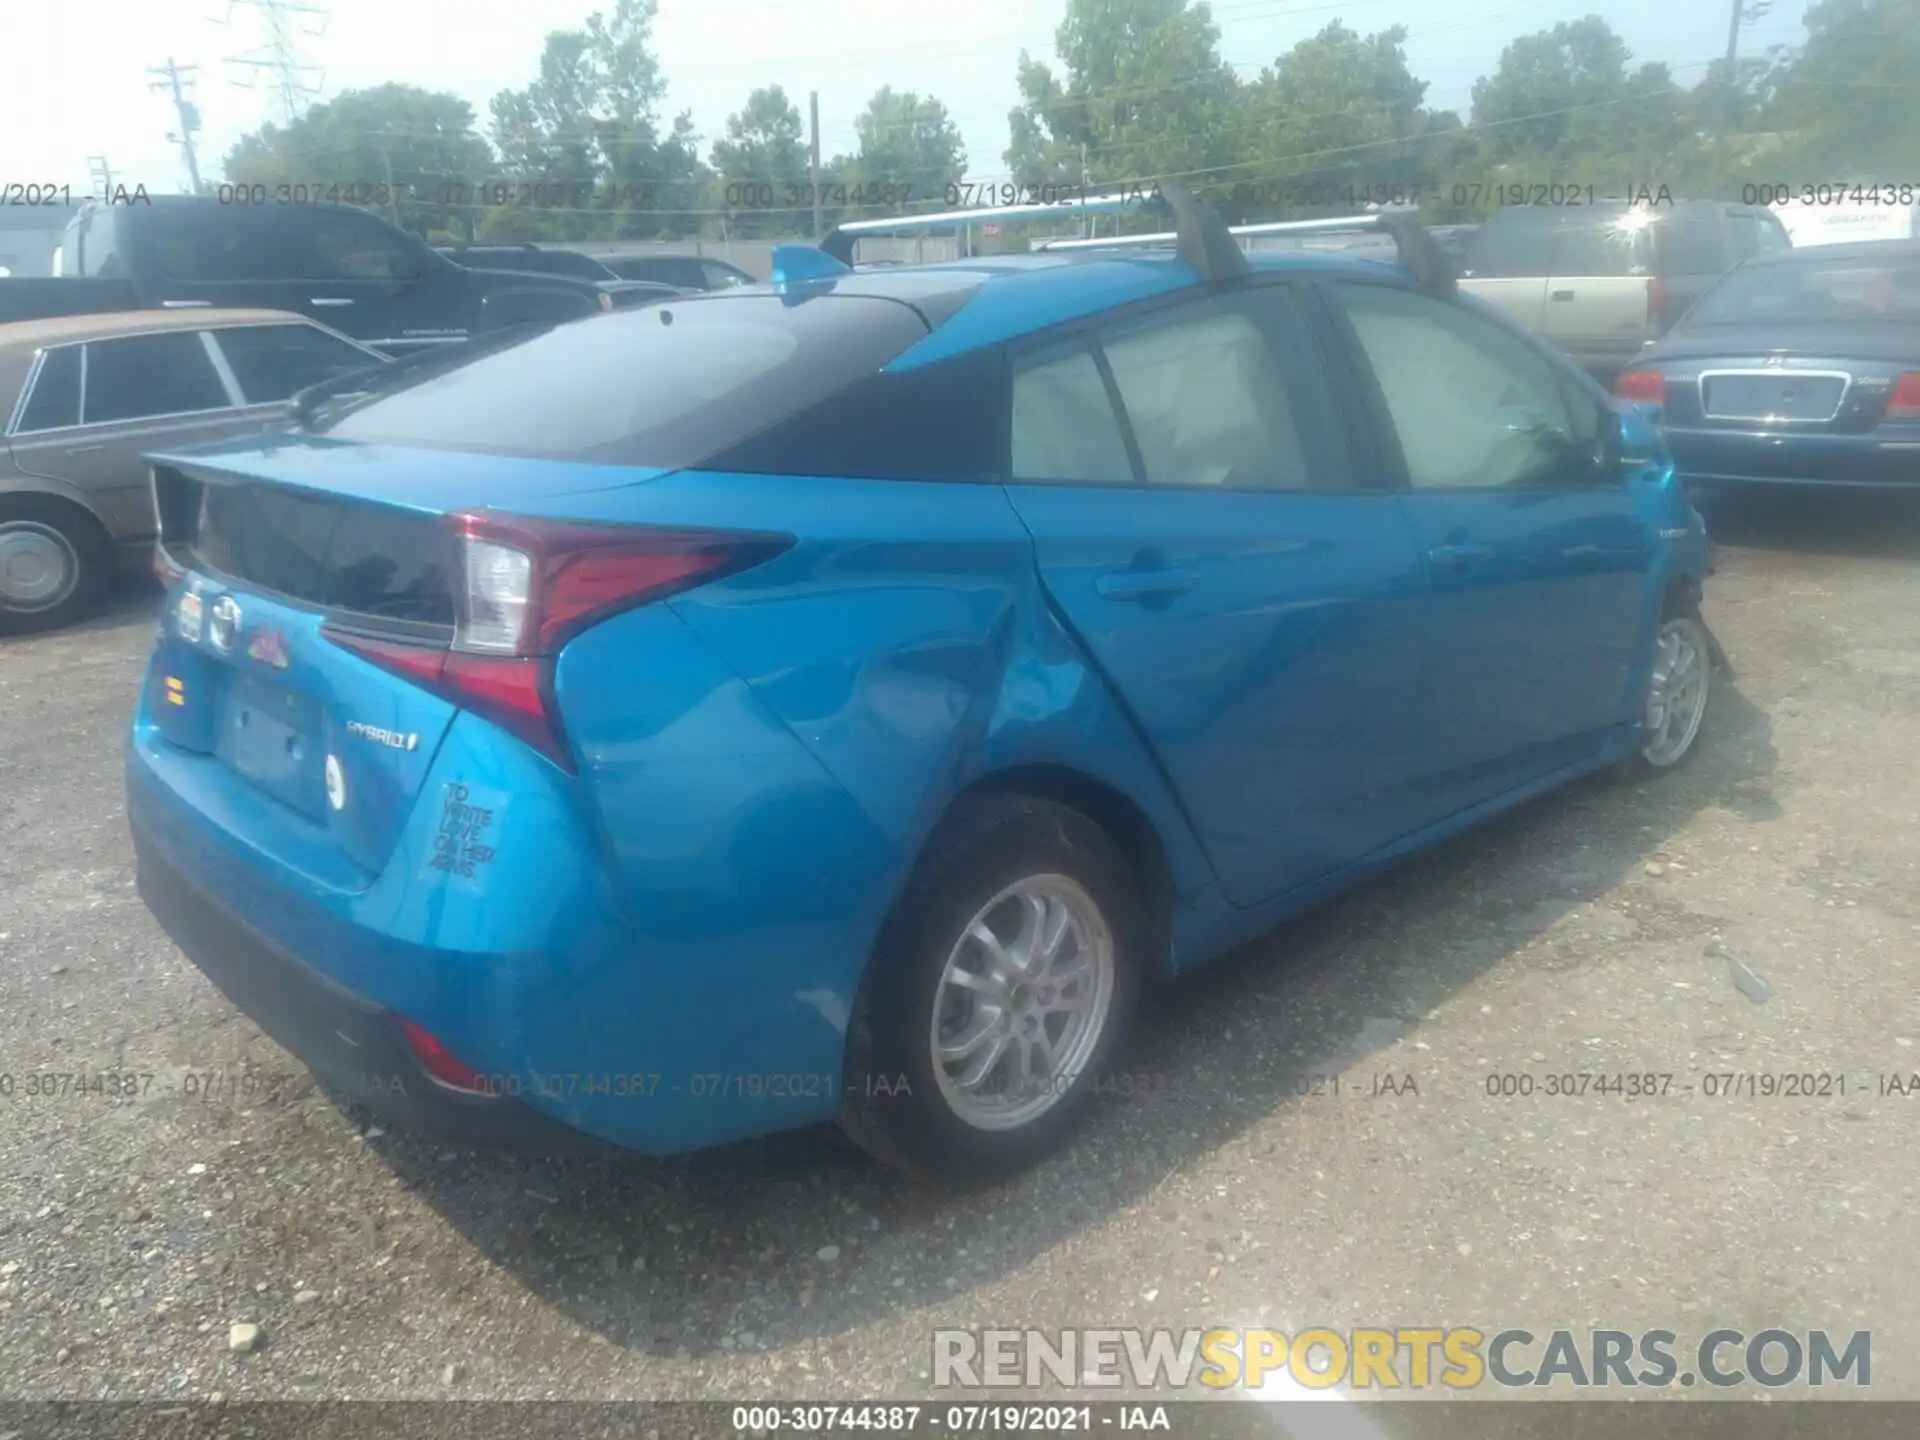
(339, 265)
(1603, 281)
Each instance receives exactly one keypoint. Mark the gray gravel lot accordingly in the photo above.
(1595, 932)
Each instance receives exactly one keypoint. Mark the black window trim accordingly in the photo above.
(1086, 328)
(1569, 380)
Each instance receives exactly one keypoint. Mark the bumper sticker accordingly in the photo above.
(465, 837)
(176, 690)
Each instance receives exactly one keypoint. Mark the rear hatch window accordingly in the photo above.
(325, 551)
(667, 386)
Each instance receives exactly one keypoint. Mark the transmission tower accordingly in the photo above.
(280, 59)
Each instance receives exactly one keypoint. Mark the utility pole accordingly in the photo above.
(168, 78)
(813, 163)
(386, 169)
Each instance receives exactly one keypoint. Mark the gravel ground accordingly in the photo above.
(1598, 931)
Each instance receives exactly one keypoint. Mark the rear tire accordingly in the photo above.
(1058, 972)
(55, 561)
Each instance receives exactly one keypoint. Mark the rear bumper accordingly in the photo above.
(1715, 458)
(350, 1043)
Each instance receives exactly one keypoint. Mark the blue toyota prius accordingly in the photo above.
(833, 699)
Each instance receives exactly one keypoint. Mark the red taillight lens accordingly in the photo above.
(1904, 403)
(527, 586)
(1643, 387)
(439, 1062)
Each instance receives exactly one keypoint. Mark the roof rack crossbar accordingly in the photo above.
(1202, 238)
(1419, 252)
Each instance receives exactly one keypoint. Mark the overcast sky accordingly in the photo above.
(77, 82)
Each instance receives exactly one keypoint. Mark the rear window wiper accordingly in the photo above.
(330, 399)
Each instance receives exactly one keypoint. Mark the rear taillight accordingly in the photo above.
(1643, 387)
(1658, 315)
(526, 588)
(439, 1062)
(1904, 403)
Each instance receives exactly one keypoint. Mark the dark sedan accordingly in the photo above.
(1796, 369)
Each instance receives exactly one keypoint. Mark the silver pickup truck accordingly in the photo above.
(1602, 281)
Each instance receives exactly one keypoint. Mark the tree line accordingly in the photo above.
(1140, 95)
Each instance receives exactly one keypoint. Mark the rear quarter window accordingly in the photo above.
(672, 385)
(54, 401)
(1514, 244)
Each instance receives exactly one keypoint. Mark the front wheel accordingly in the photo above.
(1677, 694)
(1002, 989)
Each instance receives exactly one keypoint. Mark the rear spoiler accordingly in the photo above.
(1201, 237)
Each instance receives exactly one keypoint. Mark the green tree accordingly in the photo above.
(907, 140)
(1145, 98)
(427, 137)
(1340, 119)
(761, 168)
(1567, 106)
(1844, 99)
(585, 143)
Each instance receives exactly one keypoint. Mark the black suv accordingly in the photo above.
(343, 266)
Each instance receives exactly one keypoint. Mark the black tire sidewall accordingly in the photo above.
(898, 1111)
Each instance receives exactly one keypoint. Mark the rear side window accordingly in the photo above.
(1514, 244)
(1693, 245)
(55, 401)
(1597, 243)
(148, 375)
(671, 385)
(722, 277)
(223, 243)
(1064, 424)
(271, 362)
(1211, 403)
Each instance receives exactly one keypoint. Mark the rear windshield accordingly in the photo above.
(1811, 291)
(666, 386)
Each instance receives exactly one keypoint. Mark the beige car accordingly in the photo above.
(86, 396)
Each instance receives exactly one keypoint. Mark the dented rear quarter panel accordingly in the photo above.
(904, 645)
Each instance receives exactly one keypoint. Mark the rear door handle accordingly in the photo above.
(1458, 558)
(1144, 584)
(84, 449)
(332, 300)
(1564, 295)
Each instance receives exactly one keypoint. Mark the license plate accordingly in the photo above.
(1773, 397)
